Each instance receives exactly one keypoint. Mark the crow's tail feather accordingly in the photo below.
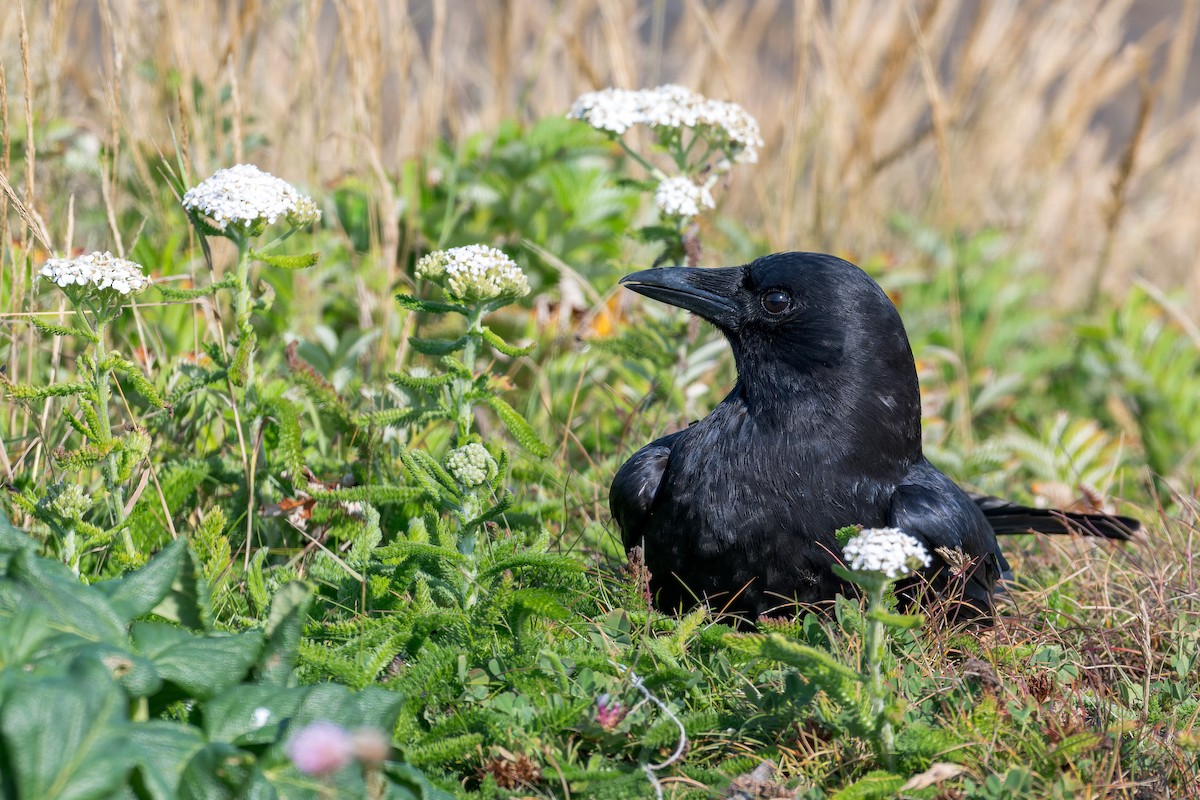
(1008, 518)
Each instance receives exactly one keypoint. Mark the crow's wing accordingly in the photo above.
(934, 509)
(635, 487)
(1006, 517)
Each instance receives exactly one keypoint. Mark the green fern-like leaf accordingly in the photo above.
(438, 752)
(27, 392)
(181, 295)
(521, 430)
(431, 306)
(422, 383)
(286, 262)
(377, 494)
(289, 445)
(872, 786)
(501, 346)
(63, 330)
(436, 347)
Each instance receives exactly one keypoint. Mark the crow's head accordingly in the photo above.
(800, 321)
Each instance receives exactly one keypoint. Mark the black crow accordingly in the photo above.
(821, 431)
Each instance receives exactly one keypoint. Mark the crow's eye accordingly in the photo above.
(776, 301)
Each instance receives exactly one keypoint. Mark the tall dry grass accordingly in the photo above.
(1056, 121)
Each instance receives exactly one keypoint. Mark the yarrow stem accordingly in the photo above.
(876, 558)
(98, 285)
(874, 657)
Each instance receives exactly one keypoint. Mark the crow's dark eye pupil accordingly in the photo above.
(775, 302)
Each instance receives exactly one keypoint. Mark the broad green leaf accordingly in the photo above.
(215, 772)
(373, 706)
(187, 601)
(22, 634)
(163, 749)
(136, 594)
(201, 666)
(251, 713)
(289, 611)
(69, 605)
(137, 675)
(65, 737)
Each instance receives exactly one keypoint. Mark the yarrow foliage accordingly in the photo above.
(244, 195)
(100, 271)
(672, 107)
(682, 197)
(890, 551)
(473, 273)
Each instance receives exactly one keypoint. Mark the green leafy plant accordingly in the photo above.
(98, 287)
(124, 688)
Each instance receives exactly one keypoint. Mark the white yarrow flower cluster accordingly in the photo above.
(670, 107)
(98, 270)
(888, 550)
(471, 464)
(474, 272)
(682, 197)
(245, 195)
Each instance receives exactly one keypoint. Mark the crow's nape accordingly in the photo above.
(1009, 518)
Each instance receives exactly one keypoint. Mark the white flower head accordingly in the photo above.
(890, 551)
(99, 271)
(244, 195)
(682, 197)
(474, 272)
(727, 125)
(471, 464)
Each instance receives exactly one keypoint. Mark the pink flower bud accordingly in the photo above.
(321, 748)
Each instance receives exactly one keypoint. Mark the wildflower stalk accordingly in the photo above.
(109, 467)
(876, 558)
(96, 286)
(463, 407)
(238, 204)
(873, 671)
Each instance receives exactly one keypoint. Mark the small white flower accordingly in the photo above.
(474, 272)
(681, 197)
(471, 464)
(888, 550)
(245, 195)
(726, 124)
(260, 716)
(102, 271)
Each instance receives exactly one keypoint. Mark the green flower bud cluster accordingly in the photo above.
(471, 465)
(67, 502)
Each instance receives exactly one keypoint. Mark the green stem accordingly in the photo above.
(462, 386)
(241, 317)
(637, 157)
(108, 468)
(885, 743)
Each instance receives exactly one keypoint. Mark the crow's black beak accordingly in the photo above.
(709, 293)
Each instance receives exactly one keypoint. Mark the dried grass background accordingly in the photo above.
(1068, 124)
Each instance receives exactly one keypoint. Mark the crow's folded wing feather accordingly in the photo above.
(635, 486)
(932, 508)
